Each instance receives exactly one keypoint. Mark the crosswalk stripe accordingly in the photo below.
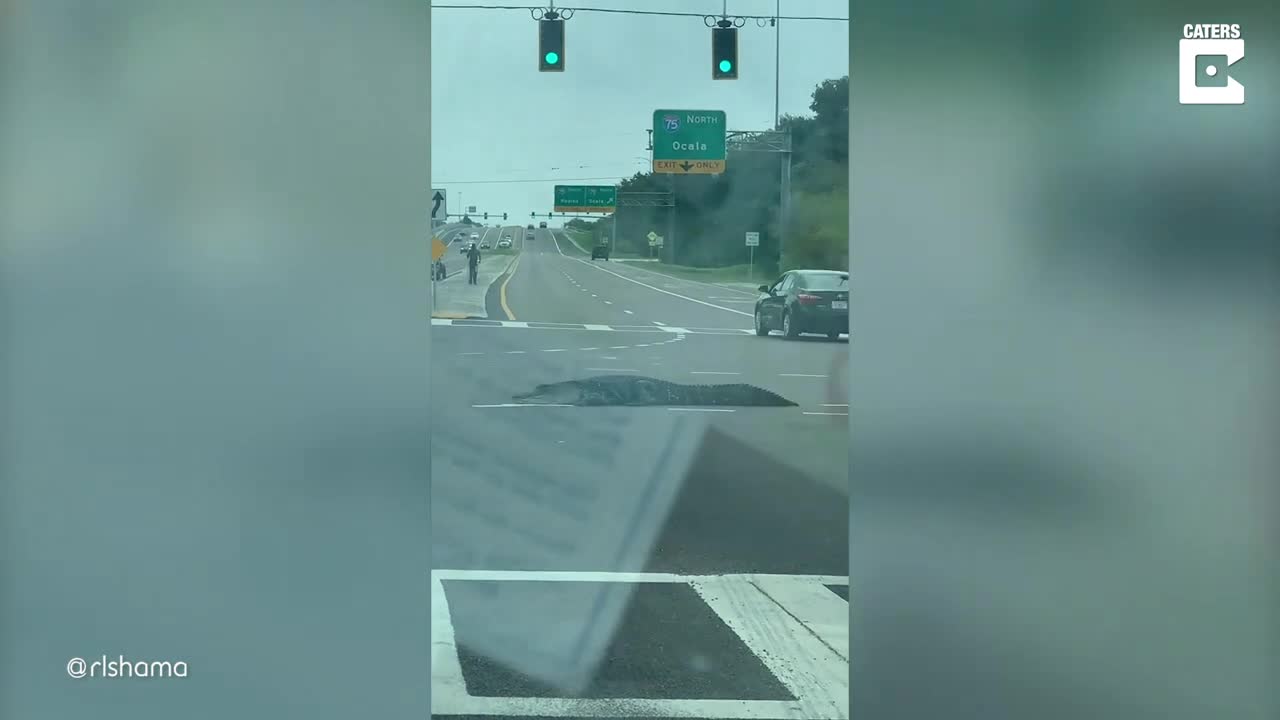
(797, 628)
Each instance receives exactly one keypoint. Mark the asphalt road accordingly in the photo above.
(698, 558)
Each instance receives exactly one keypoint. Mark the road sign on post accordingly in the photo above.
(586, 198)
(753, 239)
(689, 142)
(439, 204)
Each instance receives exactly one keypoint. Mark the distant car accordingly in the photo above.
(464, 247)
(504, 243)
(506, 237)
(542, 224)
(805, 301)
(484, 245)
(600, 251)
(530, 227)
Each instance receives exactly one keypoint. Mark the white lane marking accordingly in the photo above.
(697, 409)
(608, 302)
(643, 345)
(612, 369)
(516, 352)
(515, 405)
(556, 350)
(628, 312)
(446, 669)
(821, 611)
(587, 349)
(616, 577)
(712, 372)
(619, 347)
(594, 295)
(658, 289)
(471, 353)
(655, 322)
(598, 327)
(608, 357)
(668, 328)
(835, 404)
(815, 674)
(582, 289)
(800, 375)
(827, 413)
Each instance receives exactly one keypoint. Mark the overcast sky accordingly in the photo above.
(495, 119)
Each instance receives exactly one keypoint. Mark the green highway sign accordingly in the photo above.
(586, 198)
(688, 141)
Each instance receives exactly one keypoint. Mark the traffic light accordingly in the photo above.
(551, 45)
(486, 216)
(724, 53)
(504, 216)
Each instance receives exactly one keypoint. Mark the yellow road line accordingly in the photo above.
(502, 291)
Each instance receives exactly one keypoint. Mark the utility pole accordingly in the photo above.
(777, 52)
(670, 240)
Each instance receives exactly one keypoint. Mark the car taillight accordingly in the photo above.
(807, 299)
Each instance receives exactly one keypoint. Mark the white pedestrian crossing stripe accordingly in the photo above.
(795, 625)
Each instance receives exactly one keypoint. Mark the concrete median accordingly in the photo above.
(456, 298)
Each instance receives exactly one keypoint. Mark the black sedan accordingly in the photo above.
(805, 301)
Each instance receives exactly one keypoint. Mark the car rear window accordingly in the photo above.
(824, 282)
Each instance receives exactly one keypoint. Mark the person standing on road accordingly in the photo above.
(473, 263)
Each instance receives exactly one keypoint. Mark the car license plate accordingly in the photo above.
(839, 304)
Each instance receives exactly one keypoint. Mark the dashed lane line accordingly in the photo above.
(665, 292)
(529, 325)
(515, 405)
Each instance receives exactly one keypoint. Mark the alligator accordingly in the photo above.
(637, 390)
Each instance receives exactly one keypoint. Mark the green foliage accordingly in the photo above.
(713, 213)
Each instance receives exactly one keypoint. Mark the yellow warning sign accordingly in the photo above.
(689, 167)
(437, 249)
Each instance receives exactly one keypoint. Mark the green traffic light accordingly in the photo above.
(552, 58)
(725, 66)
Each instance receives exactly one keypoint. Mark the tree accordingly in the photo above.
(714, 211)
